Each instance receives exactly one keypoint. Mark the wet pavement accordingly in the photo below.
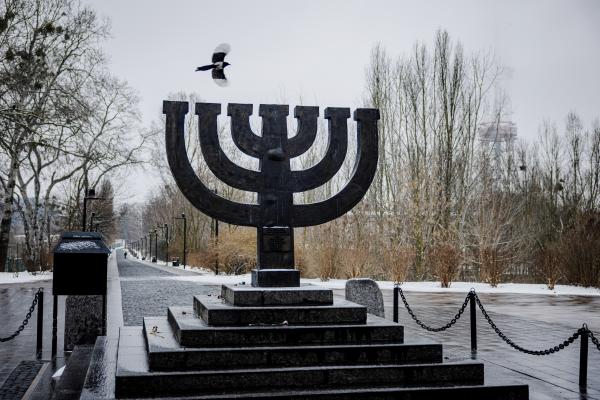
(535, 322)
(145, 292)
(15, 300)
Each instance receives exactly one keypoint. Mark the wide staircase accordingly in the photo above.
(288, 343)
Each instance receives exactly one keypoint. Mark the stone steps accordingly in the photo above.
(165, 353)
(288, 343)
(191, 331)
(216, 312)
(504, 392)
(134, 378)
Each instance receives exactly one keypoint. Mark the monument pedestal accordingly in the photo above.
(83, 320)
(275, 277)
(287, 343)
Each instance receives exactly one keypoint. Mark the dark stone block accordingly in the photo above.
(135, 379)
(216, 312)
(242, 295)
(166, 354)
(72, 380)
(275, 278)
(508, 392)
(83, 320)
(191, 331)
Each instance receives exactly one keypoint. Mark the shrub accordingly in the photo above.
(580, 251)
(549, 263)
(444, 260)
(397, 261)
(493, 263)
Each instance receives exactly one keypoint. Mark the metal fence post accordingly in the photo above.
(583, 357)
(473, 322)
(54, 325)
(396, 290)
(40, 323)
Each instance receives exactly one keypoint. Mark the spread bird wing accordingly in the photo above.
(218, 76)
(220, 52)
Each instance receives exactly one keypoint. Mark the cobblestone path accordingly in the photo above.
(147, 290)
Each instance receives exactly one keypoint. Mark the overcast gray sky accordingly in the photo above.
(285, 49)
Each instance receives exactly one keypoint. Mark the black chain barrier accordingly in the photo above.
(26, 320)
(512, 344)
(583, 333)
(593, 338)
(583, 330)
(424, 326)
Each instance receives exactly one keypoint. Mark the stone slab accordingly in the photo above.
(244, 295)
(135, 379)
(366, 292)
(166, 354)
(492, 392)
(72, 380)
(275, 277)
(83, 320)
(192, 331)
(216, 312)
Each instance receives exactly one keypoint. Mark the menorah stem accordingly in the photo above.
(275, 261)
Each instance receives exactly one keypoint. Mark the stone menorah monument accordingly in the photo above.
(275, 215)
(277, 339)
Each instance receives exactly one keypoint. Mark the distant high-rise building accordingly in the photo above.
(498, 139)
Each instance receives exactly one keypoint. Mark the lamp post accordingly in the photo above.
(184, 238)
(92, 221)
(90, 195)
(150, 245)
(165, 231)
(156, 245)
(145, 246)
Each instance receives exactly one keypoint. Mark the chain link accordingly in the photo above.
(25, 321)
(594, 338)
(502, 336)
(426, 327)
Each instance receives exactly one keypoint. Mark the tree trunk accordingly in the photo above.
(6, 221)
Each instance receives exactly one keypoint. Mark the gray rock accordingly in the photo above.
(83, 320)
(365, 291)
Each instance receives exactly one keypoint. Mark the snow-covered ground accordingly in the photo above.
(23, 277)
(208, 277)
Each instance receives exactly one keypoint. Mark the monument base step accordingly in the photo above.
(244, 295)
(135, 379)
(506, 392)
(166, 354)
(191, 331)
(216, 312)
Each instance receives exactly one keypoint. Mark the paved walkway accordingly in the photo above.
(15, 300)
(535, 322)
(146, 293)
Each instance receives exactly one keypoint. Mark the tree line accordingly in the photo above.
(457, 195)
(66, 122)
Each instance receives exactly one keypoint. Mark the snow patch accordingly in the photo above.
(24, 277)
(77, 245)
(430, 287)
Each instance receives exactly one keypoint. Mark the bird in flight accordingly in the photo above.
(218, 65)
